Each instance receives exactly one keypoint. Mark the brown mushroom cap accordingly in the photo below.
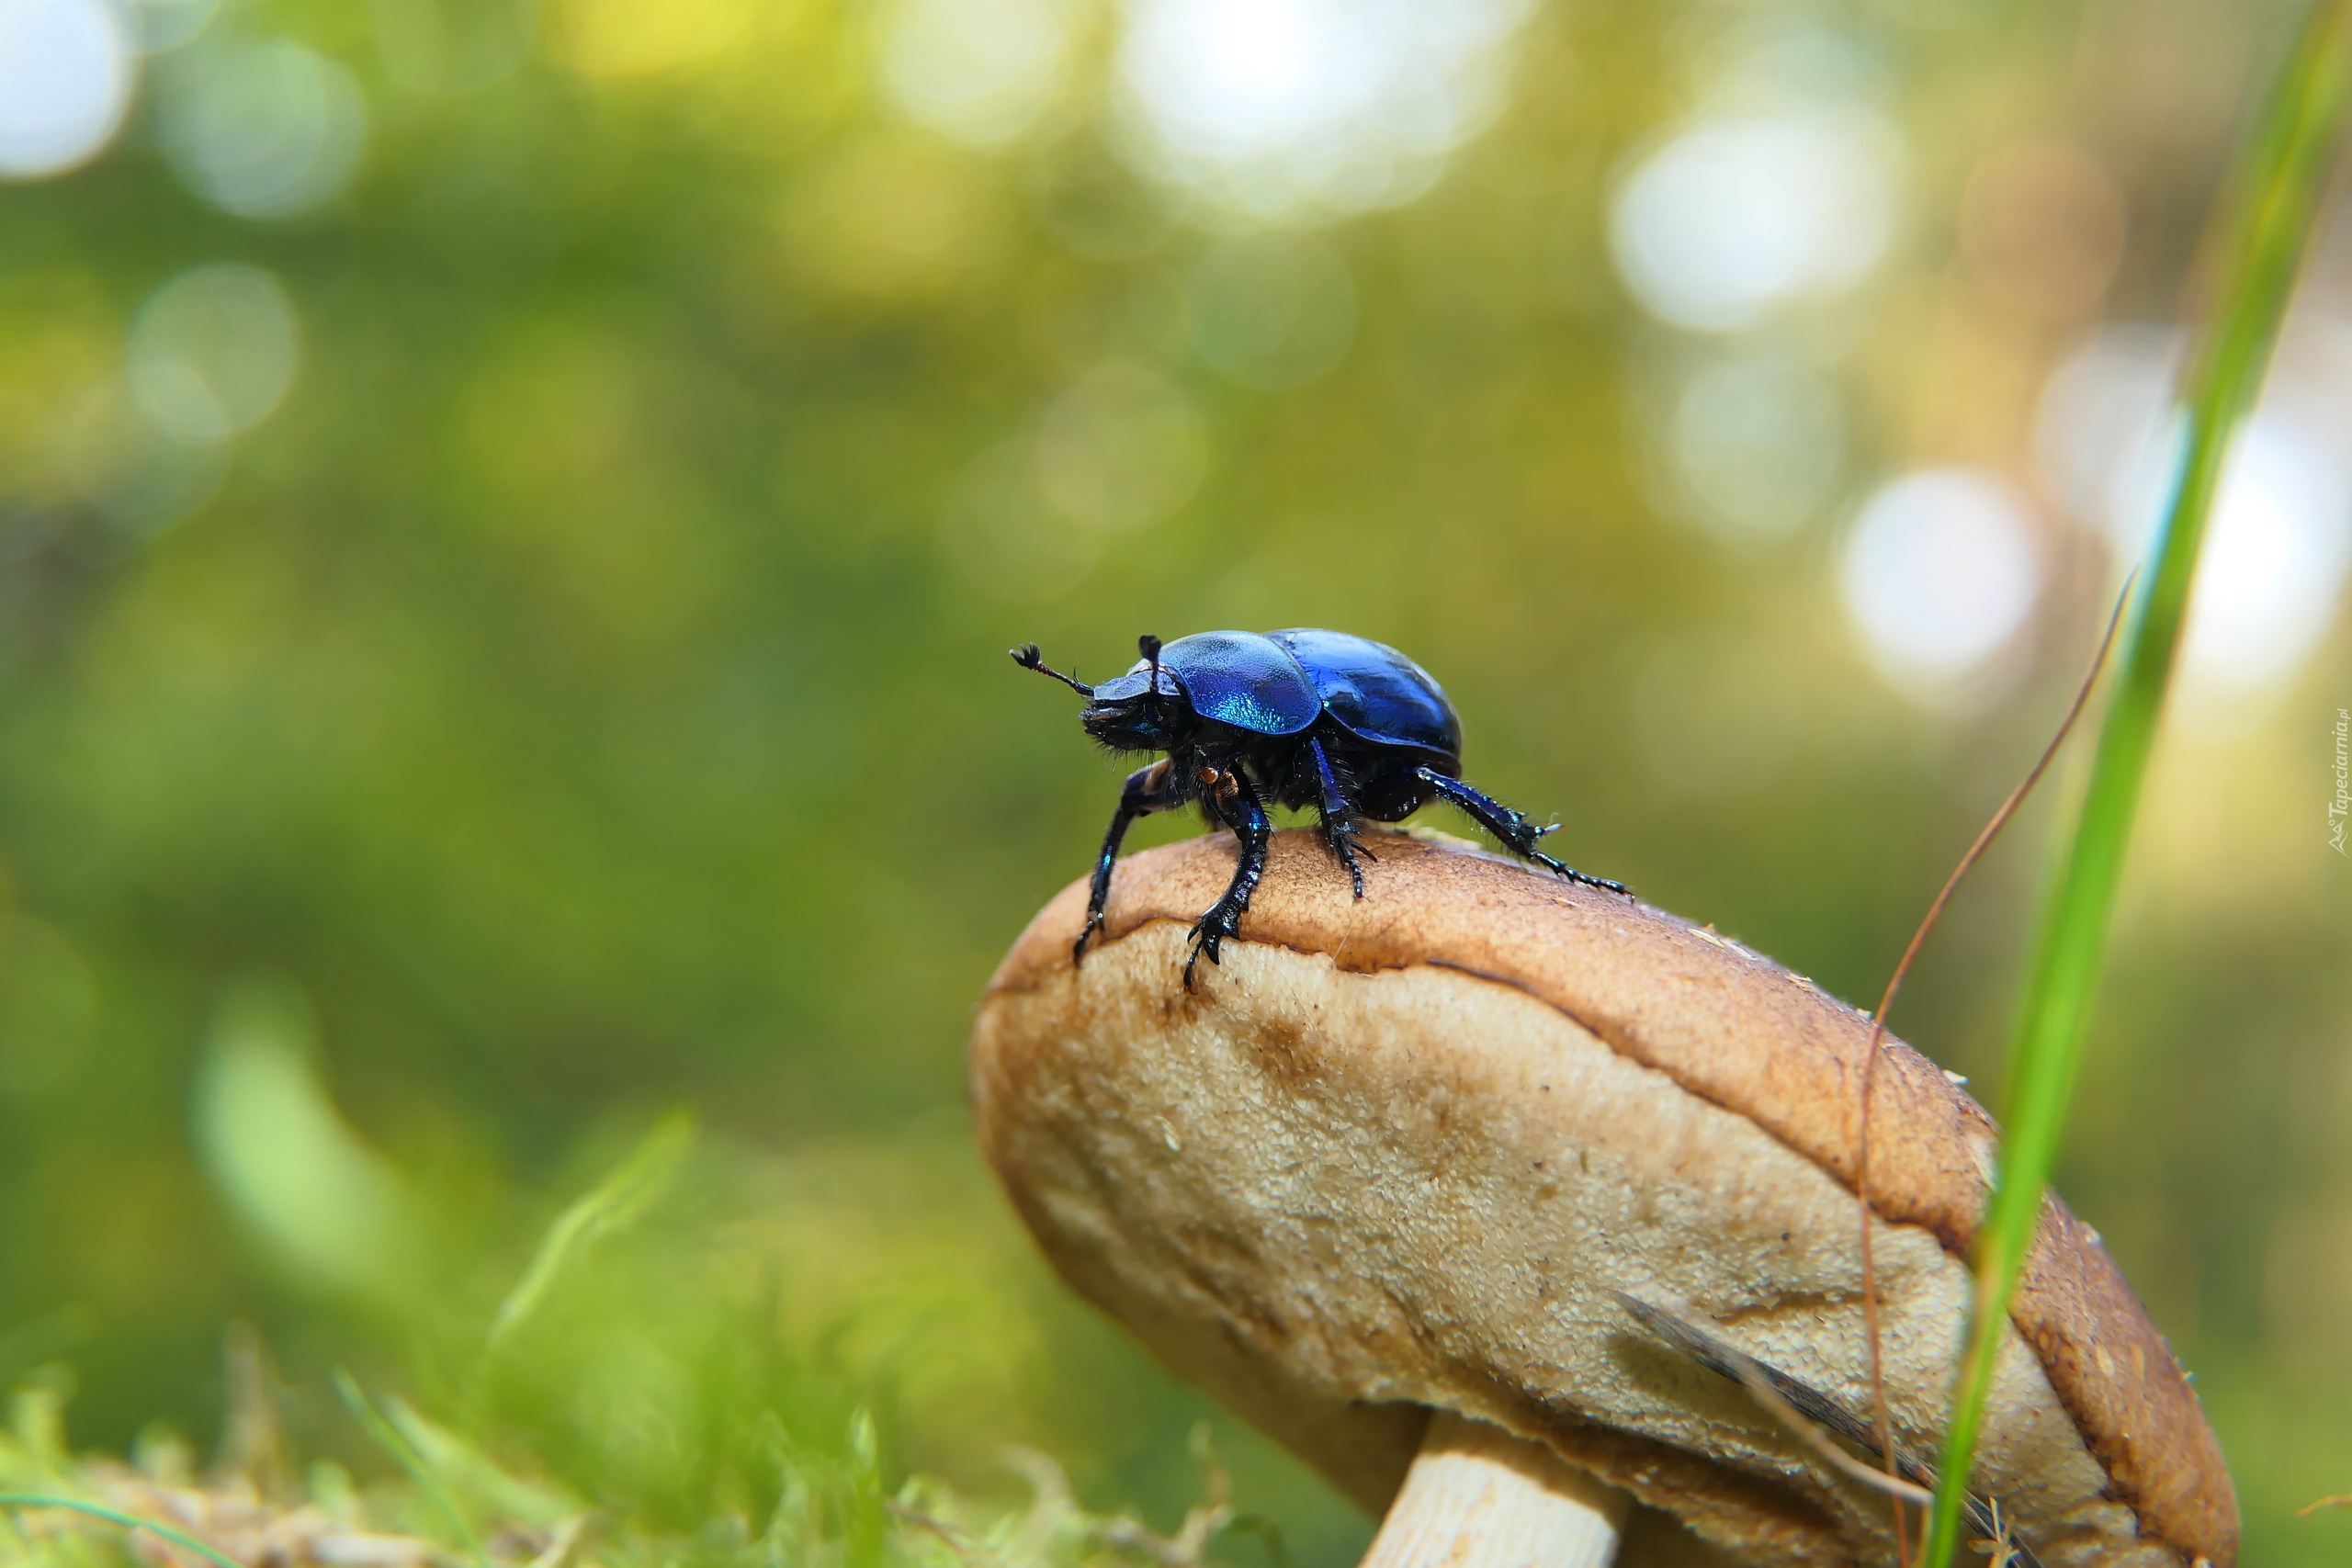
(1395, 1155)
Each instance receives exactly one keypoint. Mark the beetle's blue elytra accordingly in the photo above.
(1249, 681)
(1375, 693)
(1299, 719)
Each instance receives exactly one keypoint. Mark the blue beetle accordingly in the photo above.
(1299, 718)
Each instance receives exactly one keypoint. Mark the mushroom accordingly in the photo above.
(1402, 1181)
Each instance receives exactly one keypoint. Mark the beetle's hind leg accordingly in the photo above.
(1147, 790)
(1518, 834)
(1339, 817)
(1223, 917)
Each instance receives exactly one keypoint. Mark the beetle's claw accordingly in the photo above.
(1201, 944)
(1086, 934)
(1347, 846)
(1207, 933)
(1573, 875)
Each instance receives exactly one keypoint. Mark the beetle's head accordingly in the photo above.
(1127, 714)
(1143, 710)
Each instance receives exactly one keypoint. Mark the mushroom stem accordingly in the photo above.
(1479, 1497)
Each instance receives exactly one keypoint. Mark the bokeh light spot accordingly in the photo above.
(977, 71)
(167, 24)
(263, 130)
(65, 75)
(2273, 567)
(892, 219)
(2041, 227)
(1940, 572)
(213, 351)
(2278, 546)
(631, 37)
(1757, 444)
(2101, 424)
(1272, 107)
(1271, 310)
(1741, 215)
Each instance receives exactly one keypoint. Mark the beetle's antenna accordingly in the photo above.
(1028, 657)
(1148, 646)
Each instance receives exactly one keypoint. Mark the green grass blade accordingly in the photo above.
(117, 1516)
(404, 1452)
(611, 1204)
(2262, 246)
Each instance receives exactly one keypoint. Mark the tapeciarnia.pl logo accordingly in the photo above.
(2338, 809)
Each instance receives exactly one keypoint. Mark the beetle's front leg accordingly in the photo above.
(1223, 917)
(1339, 817)
(1147, 791)
(1516, 833)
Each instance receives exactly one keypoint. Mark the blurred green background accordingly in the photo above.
(510, 521)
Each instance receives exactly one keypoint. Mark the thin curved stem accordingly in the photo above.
(1975, 852)
(214, 1555)
(2263, 241)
